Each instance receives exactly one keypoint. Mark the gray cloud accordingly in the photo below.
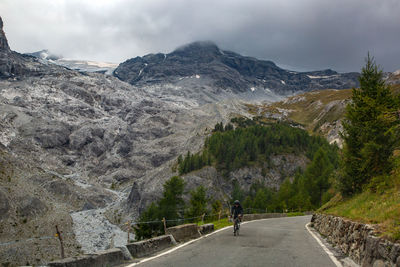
(301, 34)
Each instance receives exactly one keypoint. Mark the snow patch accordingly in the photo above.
(294, 99)
(283, 82)
(197, 76)
(252, 89)
(321, 77)
(101, 64)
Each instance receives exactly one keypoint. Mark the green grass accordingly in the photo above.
(373, 208)
(219, 224)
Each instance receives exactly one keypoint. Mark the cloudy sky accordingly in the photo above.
(296, 34)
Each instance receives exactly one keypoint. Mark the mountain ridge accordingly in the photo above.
(226, 70)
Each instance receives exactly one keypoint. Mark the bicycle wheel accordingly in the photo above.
(236, 228)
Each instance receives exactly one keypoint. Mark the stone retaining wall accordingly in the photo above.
(182, 233)
(357, 240)
(150, 246)
(111, 257)
(206, 228)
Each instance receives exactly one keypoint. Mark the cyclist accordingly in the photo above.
(236, 214)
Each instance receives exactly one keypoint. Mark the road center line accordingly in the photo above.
(330, 254)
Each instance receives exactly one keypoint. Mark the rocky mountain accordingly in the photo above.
(224, 72)
(81, 144)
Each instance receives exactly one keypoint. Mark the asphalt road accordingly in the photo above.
(272, 242)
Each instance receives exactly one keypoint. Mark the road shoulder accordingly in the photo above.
(334, 253)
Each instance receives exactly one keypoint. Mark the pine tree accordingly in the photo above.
(368, 140)
(146, 229)
(197, 203)
(317, 176)
(172, 201)
(168, 207)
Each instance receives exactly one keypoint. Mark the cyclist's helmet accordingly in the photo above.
(236, 202)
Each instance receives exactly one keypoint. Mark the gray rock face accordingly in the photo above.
(4, 205)
(3, 40)
(13, 64)
(225, 71)
(281, 167)
(29, 206)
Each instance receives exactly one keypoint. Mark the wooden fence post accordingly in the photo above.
(129, 230)
(219, 215)
(112, 241)
(58, 234)
(165, 225)
(202, 218)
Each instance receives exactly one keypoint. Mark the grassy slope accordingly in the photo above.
(318, 111)
(312, 109)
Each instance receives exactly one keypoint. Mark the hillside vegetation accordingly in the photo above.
(251, 143)
(320, 112)
(368, 180)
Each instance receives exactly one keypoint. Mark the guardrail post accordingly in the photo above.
(58, 234)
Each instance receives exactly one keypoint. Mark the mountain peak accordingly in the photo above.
(198, 48)
(3, 40)
(205, 45)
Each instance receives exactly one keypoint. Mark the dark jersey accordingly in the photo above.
(235, 211)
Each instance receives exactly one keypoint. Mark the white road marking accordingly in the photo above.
(178, 247)
(330, 254)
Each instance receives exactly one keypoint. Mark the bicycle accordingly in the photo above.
(236, 226)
